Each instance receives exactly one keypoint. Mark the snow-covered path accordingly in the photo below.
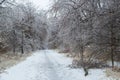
(49, 65)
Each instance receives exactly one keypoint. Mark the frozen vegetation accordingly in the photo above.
(88, 31)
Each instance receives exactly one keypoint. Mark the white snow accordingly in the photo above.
(115, 63)
(49, 65)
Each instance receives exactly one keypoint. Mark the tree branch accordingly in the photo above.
(2, 2)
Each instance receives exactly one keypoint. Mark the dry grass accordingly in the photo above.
(7, 61)
(110, 73)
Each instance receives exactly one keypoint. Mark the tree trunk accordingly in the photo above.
(82, 62)
(14, 44)
(112, 46)
(112, 56)
(22, 50)
(86, 71)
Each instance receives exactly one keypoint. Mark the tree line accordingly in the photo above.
(87, 25)
(88, 29)
(22, 27)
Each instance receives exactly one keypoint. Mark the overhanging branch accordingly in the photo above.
(2, 2)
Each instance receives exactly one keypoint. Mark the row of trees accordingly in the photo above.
(77, 26)
(22, 28)
(87, 24)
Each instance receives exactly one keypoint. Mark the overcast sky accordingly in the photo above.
(41, 4)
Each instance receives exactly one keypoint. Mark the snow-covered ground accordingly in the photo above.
(49, 65)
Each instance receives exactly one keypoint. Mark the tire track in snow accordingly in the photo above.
(47, 70)
(53, 73)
